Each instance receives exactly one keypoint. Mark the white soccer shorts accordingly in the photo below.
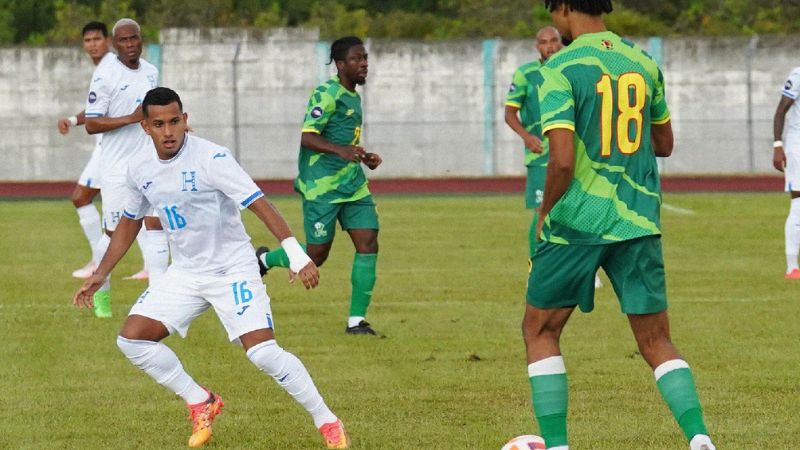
(90, 177)
(239, 300)
(791, 173)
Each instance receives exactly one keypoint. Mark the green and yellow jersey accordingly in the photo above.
(523, 95)
(609, 92)
(334, 113)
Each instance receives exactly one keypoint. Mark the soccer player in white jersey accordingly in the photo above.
(113, 107)
(786, 158)
(198, 188)
(95, 43)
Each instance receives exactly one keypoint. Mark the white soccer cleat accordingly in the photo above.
(701, 442)
(597, 282)
(85, 271)
(140, 275)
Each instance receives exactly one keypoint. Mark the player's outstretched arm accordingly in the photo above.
(663, 139)
(319, 144)
(121, 241)
(560, 170)
(299, 262)
(96, 125)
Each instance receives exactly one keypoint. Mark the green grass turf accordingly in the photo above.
(450, 373)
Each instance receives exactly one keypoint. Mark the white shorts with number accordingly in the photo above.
(90, 177)
(791, 173)
(240, 301)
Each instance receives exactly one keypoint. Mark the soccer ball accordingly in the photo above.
(527, 442)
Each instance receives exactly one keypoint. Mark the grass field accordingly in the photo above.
(450, 372)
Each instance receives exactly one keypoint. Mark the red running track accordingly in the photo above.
(762, 183)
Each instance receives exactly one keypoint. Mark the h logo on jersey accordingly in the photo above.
(189, 178)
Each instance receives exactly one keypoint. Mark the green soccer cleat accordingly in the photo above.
(102, 304)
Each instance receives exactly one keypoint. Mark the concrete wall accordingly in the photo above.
(425, 103)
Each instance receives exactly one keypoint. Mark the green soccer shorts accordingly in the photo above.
(319, 218)
(563, 275)
(534, 186)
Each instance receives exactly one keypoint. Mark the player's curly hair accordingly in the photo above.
(160, 96)
(590, 7)
(341, 46)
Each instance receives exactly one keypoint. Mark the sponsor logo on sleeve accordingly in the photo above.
(316, 112)
(92, 97)
(788, 85)
(512, 88)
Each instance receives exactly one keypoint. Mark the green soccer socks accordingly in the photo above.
(362, 279)
(549, 393)
(675, 381)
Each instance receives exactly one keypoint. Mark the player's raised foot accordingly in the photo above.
(334, 435)
(102, 304)
(202, 416)
(363, 327)
(793, 275)
(701, 442)
(261, 253)
(140, 275)
(85, 271)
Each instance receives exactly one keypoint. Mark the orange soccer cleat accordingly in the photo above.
(202, 416)
(334, 434)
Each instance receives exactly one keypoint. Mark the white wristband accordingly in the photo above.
(73, 121)
(297, 257)
(777, 144)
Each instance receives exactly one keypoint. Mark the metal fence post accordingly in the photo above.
(751, 53)
(489, 57)
(236, 138)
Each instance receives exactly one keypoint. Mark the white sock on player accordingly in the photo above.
(98, 250)
(292, 376)
(141, 241)
(89, 219)
(157, 254)
(161, 363)
(792, 235)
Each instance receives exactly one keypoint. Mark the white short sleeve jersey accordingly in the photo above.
(791, 89)
(115, 91)
(197, 195)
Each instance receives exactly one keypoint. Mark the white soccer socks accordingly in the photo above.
(161, 363)
(293, 377)
(89, 219)
(792, 235)
(156, 254)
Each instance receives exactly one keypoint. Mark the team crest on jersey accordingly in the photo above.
(608, 45)
(92, 97)
(512, 88)
(788, 85)
(319, 230)
(316, 112)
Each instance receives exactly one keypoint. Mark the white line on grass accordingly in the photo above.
(677, 209)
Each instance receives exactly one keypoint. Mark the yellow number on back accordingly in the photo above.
(631, 99)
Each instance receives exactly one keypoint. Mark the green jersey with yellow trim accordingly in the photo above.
(522, 94)
(609, 92)
(334, 113)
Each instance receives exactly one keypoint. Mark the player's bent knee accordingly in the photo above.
(136, 350)
(268, 356)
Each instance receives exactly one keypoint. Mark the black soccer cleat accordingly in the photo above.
(363, 327)
(262, 268)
